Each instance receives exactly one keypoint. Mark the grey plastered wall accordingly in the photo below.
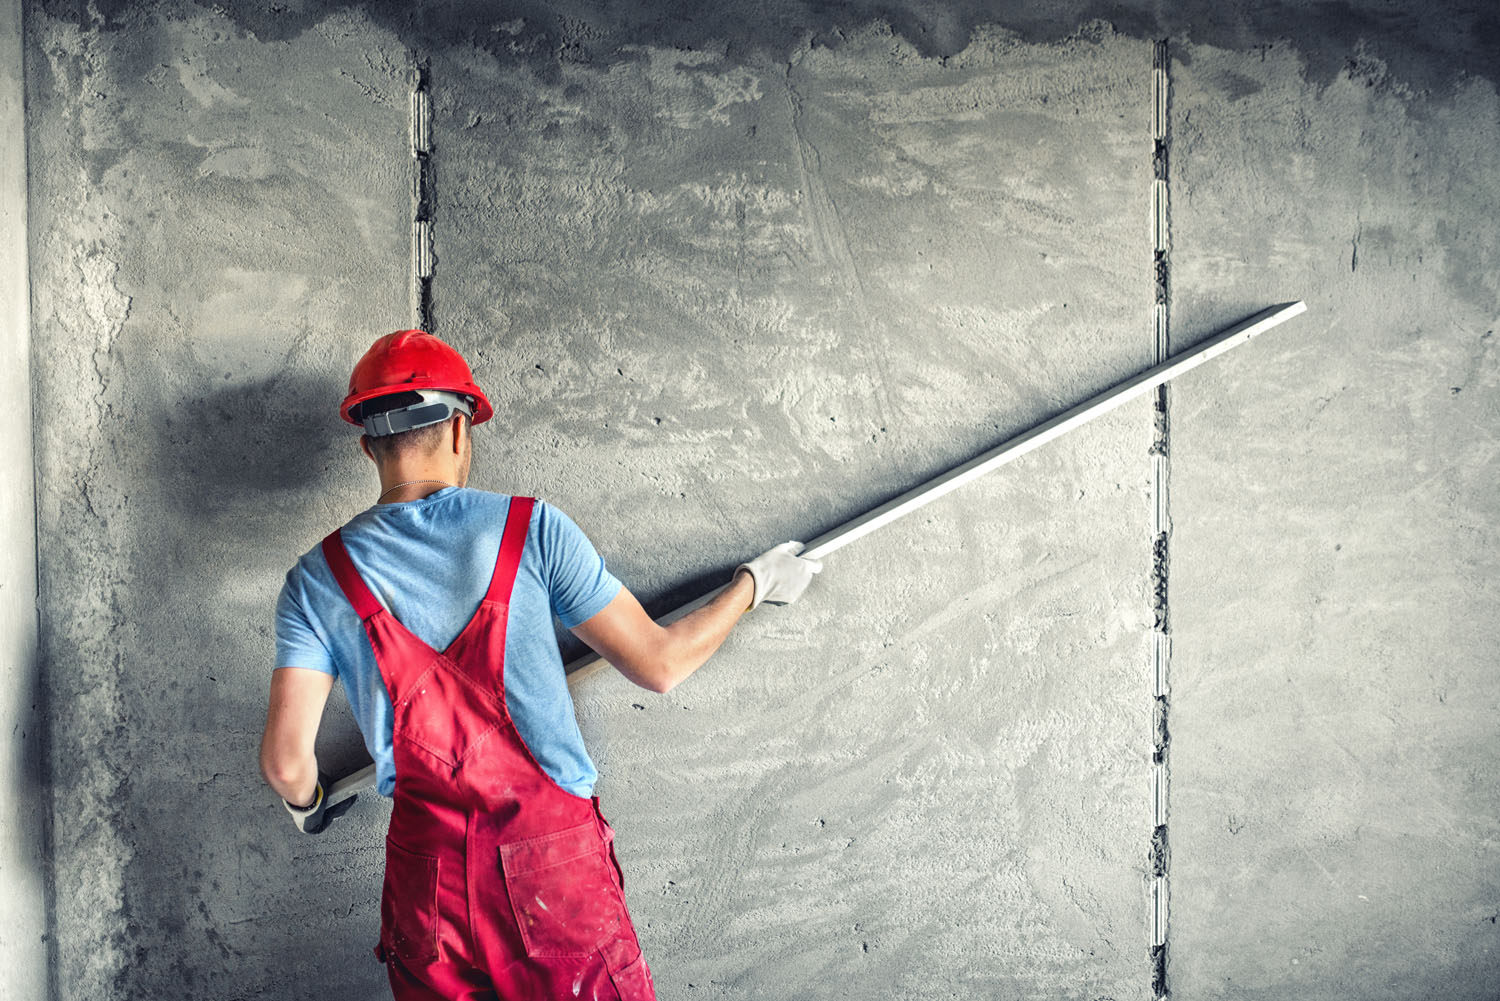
(733, 278)
(725, 300)
(1335, 572)
(23, 921)
(218, 222)
(788, 292)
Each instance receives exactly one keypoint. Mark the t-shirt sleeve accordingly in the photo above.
(297, 642)
(577, 580)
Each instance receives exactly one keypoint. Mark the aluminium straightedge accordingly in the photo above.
(587, 666)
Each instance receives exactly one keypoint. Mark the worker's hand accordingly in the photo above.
(780, 575)
(315, 818)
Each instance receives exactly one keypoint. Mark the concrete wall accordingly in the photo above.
(23, 912)
(219, 224)
(734, 278)
(1335, 571)
(730, 300)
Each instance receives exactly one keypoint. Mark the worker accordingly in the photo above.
(434, 609)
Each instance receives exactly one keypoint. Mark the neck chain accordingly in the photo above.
(407, 484)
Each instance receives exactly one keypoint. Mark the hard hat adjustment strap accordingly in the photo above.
(434, 407)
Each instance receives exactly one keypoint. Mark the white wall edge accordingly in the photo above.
(24, 801)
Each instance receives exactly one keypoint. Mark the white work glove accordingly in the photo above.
(309, 820)
(315, 818)
(780, 575)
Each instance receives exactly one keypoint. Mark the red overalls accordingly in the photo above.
(499, 884)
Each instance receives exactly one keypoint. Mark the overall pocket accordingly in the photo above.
(633, 982)
(562, 892)
(408, 904)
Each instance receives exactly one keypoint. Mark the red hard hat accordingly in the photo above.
(410, 360)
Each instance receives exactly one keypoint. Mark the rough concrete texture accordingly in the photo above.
(23, 798)
(732, 278)
(1335, 821)
(724, 302)
(217, 223)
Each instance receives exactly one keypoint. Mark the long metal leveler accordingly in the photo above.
(587, 666)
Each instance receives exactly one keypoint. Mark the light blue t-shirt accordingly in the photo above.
(429, 563)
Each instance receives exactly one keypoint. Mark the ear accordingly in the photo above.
(460, 431)
(364, 445)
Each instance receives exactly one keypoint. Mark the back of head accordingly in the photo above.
(405, 389)
(405, 425)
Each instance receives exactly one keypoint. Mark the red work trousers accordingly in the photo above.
(499, 884)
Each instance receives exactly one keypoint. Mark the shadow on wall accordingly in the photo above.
(32, 792)
(251, 470)
(274, 441)
(251, 473)
(246, 473)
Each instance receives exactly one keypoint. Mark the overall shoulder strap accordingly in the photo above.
(353, 585)
(512, 545)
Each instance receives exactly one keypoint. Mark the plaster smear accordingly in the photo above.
(244, 329)
(240, 163)
(674, 76)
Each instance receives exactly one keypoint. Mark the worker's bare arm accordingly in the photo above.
(298, 695)
(658, 657)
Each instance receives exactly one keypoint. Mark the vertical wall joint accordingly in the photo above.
(423, 259)
(1161, 523)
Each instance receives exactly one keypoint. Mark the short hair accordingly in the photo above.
(420, 441)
